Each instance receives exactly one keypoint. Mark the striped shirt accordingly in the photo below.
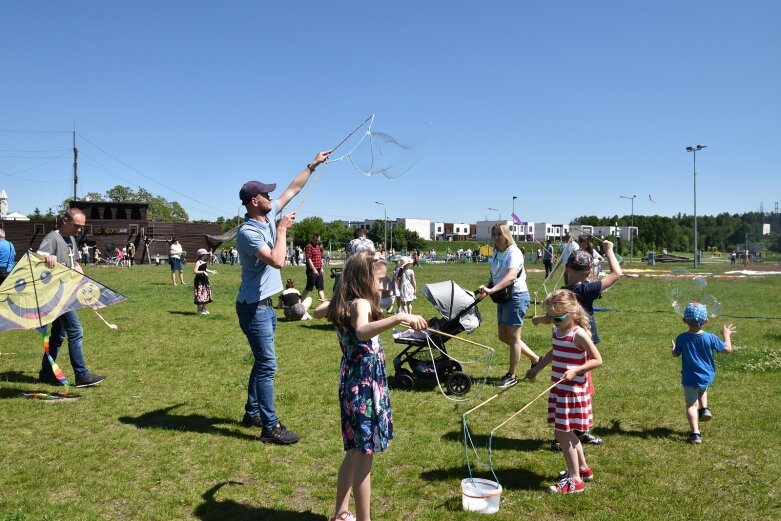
(569, 403)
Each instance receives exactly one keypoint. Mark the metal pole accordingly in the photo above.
(385, 230)
(514, 224)
(693, 150)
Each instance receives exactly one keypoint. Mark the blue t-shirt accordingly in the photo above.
(7, 255)
(258, 280)
(587, 293)
(698, 367)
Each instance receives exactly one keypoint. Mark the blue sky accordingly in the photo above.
(567, 105)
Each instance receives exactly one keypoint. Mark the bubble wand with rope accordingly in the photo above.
(370, 120)
(468, 437)
(433, 345)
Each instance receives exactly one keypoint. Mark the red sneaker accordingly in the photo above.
(567, 486)
(585, 474)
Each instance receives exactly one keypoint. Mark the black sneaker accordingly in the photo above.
(251, 421)
(589, 439)
(705, 414)
(89, 379)
(554, 446)
(507, 381)
(279, 435)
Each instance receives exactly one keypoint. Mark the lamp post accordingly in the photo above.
(694, 150)
(497, 213)
(514, 224)
(631, 229)
(385, 230)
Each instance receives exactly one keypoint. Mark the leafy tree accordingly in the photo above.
(304, 230)
(122, 194)
(36, 214)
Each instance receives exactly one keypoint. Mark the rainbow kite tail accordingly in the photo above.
(58, 374)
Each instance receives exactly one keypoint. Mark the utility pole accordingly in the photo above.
(75, 166)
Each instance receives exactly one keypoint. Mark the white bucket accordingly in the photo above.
(480, 495)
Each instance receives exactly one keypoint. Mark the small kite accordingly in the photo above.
(34, 295)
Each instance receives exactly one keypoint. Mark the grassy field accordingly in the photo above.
(161, 439)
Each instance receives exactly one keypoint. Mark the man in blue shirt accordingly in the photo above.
(7, 256)
(261, 244)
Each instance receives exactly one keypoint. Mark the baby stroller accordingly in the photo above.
(459, 313)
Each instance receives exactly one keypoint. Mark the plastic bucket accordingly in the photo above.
(480, 495)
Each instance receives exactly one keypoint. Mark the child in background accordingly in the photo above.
(291, 304)
(202, 288)
(407, 285)
(569, 402)
(367, 422)
(698, 368)
(386, 295)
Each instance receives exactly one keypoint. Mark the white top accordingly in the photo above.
(175, 251)
(503, 261)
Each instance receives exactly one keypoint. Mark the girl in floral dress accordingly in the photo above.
(367, 422)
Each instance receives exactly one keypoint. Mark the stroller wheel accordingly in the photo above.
(458, 383)
(404, 379)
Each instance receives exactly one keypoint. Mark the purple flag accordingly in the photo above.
(516, 219)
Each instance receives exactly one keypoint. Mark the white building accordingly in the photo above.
(421, 226)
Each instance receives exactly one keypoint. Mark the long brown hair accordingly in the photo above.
(564, 301)
(357, 281)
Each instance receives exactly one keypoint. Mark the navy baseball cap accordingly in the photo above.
(252, 188)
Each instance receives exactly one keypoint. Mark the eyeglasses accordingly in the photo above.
(558, 319)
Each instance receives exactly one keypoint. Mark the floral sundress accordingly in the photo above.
(364, 399)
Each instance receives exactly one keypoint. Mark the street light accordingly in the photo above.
(497, 212)
(694, 150)
(514, 224)
(385, 231)
(631, 230)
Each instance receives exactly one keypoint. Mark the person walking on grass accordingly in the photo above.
(175, 260)
(364, 400)
(698, 367)
(202, 288)
(261, 245)
(569, 403)
(314, 268)
(507, 288)
(60, 246)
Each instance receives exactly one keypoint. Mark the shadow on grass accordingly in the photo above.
(322, 326)
(17, 377)
(498, 443)
(163, 419)
(510, 479)
(616, 429)
(213, 509)
(185, 313)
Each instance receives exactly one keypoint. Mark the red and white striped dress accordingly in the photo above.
(569, 403)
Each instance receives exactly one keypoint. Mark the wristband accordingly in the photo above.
(310, 167)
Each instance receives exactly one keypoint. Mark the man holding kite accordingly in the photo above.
(60, 246)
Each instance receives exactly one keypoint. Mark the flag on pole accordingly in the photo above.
(516, 219)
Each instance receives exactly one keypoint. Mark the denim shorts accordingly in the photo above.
(512, 313)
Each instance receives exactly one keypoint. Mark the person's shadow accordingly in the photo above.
(17, 377)
(213, 509)
(163, 419)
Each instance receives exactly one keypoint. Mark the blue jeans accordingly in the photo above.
(67, 326)
(258, 321)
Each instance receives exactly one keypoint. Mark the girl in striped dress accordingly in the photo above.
(572, 356)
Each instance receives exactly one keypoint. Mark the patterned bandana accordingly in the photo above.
(695, 313)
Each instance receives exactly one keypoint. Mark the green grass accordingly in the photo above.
(161, 438)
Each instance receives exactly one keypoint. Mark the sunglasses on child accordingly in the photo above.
(558, 319)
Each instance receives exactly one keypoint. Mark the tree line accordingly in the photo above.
(723, 232)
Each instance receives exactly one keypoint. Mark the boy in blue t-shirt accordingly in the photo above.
(698, 367)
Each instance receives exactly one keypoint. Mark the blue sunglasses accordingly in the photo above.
(558, 319)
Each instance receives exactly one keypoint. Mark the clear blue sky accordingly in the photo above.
(566, 104)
